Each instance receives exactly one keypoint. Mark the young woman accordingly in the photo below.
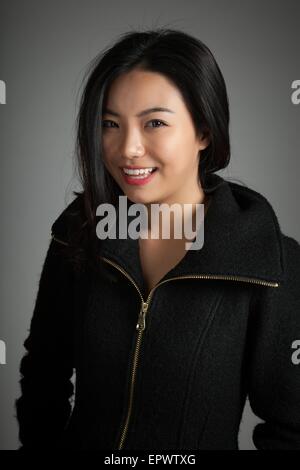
(166, 343)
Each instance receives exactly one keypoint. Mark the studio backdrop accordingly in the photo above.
(45, 50)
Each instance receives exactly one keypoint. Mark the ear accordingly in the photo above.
(204, 140)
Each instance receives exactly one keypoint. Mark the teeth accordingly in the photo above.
(142, 171)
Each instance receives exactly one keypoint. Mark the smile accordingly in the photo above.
(138, 176)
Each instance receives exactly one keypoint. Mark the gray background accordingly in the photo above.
(44, 50)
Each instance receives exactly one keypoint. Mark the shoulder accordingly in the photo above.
(248, 197)
(291, 260)
(251, 200)
(257, 208)
(70, 221)
(244, 199)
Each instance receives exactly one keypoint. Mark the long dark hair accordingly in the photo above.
(191, 66)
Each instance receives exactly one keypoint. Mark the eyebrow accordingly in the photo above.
(156, 109)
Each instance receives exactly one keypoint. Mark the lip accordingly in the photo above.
(139, 182)
(135, 167)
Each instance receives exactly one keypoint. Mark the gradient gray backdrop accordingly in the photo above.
(44, 50)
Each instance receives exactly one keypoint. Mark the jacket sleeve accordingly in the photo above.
(46, 369)
(274, 366)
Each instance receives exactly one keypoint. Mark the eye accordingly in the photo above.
(157, 121)
(106, 122)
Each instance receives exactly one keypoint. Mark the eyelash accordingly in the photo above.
(152, 120)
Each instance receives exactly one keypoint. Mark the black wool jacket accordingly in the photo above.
(170, 370)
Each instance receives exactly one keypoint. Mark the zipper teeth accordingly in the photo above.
(189, 276)
(251, 280)
(224, 277)
(144, 305)
(144, 308)
(125, 274)
(133, 374)
(58, 240)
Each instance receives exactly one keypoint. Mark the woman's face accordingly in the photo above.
(133, 136)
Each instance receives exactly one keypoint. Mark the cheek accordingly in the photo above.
(109, 146)
(108, 155)
(109, 165)
(167, 151)
(172, 159)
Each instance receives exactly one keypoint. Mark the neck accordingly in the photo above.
(178, 216)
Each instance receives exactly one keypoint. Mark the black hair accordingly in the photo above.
(191, 66)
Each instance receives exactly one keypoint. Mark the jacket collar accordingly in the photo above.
(242, 239)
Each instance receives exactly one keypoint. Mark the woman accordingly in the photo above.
(166, 343)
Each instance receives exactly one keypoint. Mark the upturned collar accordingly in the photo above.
(242, 239)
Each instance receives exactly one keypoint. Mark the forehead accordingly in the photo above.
(142, 89)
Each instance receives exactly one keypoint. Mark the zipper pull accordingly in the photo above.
(141, 325)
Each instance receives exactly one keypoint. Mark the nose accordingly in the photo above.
(132, 145)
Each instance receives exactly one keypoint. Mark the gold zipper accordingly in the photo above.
(140, 327)
(141, 324)
(58, 240)
(251, 280)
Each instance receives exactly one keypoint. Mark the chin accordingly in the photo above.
(138, 198)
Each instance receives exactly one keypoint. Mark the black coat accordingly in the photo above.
(224, 323)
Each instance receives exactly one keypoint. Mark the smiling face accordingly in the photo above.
(163, 139)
